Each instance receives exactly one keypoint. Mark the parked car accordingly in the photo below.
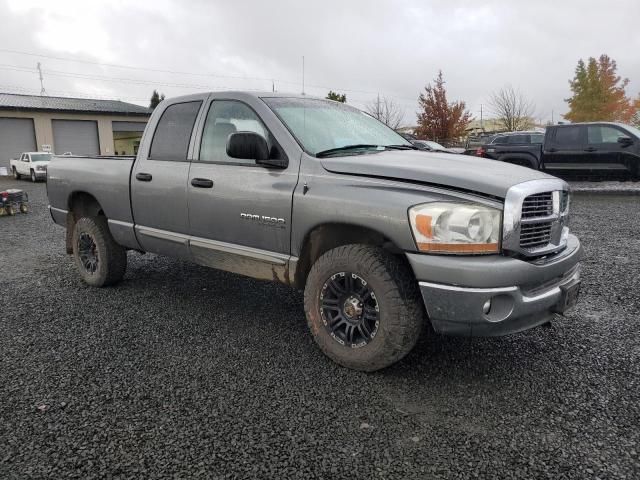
(581, 147)
(429, 146)
(375, 232)
(31, 164)
(476, 140)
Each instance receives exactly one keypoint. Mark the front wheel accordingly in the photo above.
(363, 307)
(16, 175)
(34, 179)
(98, 258)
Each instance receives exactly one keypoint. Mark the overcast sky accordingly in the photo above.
(356, 47)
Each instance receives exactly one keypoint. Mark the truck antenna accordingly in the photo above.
(42, 90)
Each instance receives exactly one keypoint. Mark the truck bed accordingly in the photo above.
(108, 177)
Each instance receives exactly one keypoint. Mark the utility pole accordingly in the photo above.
(273, 86)
(42, 90)
(552, 122)
(481, 119)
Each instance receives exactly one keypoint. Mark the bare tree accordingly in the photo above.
(387, 111)
(512, 108)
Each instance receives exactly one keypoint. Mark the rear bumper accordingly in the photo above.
(523, 294)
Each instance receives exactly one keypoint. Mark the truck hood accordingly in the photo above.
(462, 172)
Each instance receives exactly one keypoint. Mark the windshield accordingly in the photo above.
(321, 125)
(40, 157)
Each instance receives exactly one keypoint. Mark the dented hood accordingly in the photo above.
(462, 172)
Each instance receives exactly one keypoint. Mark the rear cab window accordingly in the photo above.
(173, 132)
(569, 136)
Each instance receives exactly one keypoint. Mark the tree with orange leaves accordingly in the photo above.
(599, 93)
(438, 119)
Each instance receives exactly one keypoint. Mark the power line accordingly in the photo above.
(177, 72)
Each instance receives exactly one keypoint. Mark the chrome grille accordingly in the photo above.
(538, 205)
(535, 217)
(535, 235)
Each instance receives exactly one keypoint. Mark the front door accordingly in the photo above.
(605, 153)
(239, 212)
(159, 183)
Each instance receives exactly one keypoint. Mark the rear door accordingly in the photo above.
(159, 181)
(239, 212)
(565, 148)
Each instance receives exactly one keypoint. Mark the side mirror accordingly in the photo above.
(252, 146)
(625, 141)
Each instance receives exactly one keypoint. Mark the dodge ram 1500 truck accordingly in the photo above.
(587, 148)
(383, 238)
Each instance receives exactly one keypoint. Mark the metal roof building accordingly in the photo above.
(59, 124)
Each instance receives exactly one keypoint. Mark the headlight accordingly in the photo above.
(457, 228)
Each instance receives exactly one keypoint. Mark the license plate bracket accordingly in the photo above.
(569, 296)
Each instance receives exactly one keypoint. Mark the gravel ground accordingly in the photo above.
(185, 372)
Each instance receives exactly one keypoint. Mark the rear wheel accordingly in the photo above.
(363, 307)
(98, 258)
(16, 175)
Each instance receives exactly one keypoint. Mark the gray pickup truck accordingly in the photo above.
(383, 238)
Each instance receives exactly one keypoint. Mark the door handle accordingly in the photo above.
(591, 149)
(552, 150)
(202, 183)
(143, 177)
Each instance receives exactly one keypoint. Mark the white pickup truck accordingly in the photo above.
(32, 165)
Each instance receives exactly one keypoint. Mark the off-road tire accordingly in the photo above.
(401, 315)
(16, 175)
(112, 258)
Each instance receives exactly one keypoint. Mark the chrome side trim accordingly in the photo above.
(254, 253)
(120, 223)
(163, 235)
(60, 211)
(453, 288)
(512, 216)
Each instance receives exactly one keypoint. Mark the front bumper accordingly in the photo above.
(523, 294)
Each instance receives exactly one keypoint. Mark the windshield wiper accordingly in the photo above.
(401, 147)
(346, 148)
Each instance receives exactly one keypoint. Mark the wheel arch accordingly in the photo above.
(80, 204)
(327, 236)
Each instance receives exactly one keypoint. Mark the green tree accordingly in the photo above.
(439, 119)
(599, 93)
(337, 97)
(156, 98)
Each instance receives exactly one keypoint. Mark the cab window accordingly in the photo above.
(173, 133)
(603, 134)
(224, 118)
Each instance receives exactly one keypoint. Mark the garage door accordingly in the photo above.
(17, 135)
(79, 137)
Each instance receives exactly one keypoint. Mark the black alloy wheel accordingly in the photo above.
(349, 309)
(88, 252)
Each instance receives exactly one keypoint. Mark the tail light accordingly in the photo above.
(480, 151)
